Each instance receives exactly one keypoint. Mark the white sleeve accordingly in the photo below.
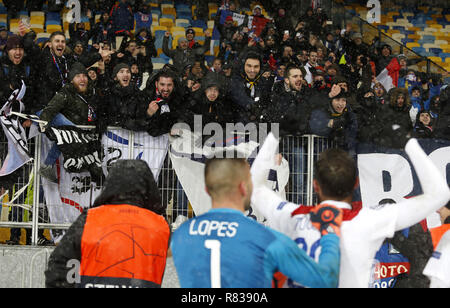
(438, 267)
(436, 192)
(276, 210)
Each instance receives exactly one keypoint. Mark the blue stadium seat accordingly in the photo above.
(407, 40)
(53, 16)
(185, 15)
(427, 54)
(156, 11)
(199, 24)
(436, 51)
(418, 50)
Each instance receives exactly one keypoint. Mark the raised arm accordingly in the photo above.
(276, 210)
(436, 192)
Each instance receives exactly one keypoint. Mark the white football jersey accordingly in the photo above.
(438, 267)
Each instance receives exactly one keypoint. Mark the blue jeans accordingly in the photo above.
(54, 152)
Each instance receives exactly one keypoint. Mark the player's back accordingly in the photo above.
(222, 248)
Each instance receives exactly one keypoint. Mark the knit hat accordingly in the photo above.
(77, 68)
(190, 31)
(14, 41)
(229, 18)
(118, 67)
(182, 39)
(357, 35)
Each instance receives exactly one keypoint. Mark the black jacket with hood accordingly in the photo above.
(129, 182)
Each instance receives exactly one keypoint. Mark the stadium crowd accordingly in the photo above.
(308, 74)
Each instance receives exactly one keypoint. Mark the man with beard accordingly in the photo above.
(336, 122)
(123, 105)
(290, 107)
(223, 248)
(54, 67)
(164, 107)
(248, 91)
(74, 104)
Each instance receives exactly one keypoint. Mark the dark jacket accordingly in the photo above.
(291, 109)
(74, 106)
(122, 17)
(11, 77)
(249, 98)
(218, 111)
(54, 76)
(123, 107)
(174, 107)
(390, 116)
(418, 248)
(442, 127)
(344, 129)
(368, 112)
(181, 58)
(140, 191)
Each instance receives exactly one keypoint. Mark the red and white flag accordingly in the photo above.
(389, 75)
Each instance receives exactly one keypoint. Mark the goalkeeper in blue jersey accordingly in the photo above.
(224, 248)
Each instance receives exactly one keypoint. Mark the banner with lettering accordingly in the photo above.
(387, 174)
(76, 191)
(189, 152)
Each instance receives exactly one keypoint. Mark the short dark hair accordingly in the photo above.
(165, 74)
(254, 56)
(292, 66)
(336, 173)
(55, 34)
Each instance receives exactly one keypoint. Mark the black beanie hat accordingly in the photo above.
(118, 67)
(77, 68)
(14, 41)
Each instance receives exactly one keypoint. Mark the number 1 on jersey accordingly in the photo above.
(214, 246)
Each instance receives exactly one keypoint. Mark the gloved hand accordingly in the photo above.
(327, 219)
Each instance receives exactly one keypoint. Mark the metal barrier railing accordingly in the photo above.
(32, 210)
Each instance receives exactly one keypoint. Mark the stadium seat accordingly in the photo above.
(436, 51)
(166, 22)
(182, 23)
(418, 50)
(198, 31)
(413, 45)
(199, 24)
(159, 28)
(169, 11)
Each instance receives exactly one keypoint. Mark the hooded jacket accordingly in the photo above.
(249, 97)
(392, 115)
(163, 120)
(125, 107)
(121, 241)
(181, 58)
(218, 111)
(77, 108)
(442, 127)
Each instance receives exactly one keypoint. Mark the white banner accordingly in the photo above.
(75, 191)
(18, 151)
(188, 157)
